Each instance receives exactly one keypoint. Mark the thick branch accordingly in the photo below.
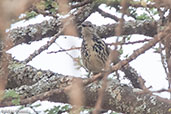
(147, 28)
(118, 97)
(48, 28)
(132, 75)
(22, 74)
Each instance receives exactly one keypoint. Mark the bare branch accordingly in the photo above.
(114, 43)
(44, 47)
(105, 14)
(160, 36)
(63, 50)
(46, 28)
(127, 43)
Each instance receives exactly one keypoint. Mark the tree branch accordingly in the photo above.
(48, 28)
(118, 97)
(105, 14)
(166, 33)
(146, 28)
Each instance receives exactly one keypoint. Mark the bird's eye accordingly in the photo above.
(86, 25)
(89, 25)
(83, 25)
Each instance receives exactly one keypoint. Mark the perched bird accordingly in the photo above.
(94, 51)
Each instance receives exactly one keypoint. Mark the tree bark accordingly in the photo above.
(49, 28)
(29, 82)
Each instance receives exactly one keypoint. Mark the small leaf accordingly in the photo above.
(30, 14)
(22, 107)
(52, 10)
(121, 51)
(143, 17)
(54, 4)
(37, 105)
(16, 101)
(65, 108)
(54, 110)
(40, 5)
(11, 93)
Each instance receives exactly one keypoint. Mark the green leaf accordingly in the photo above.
(52, 10)
(126, 56)
(65, 108)
(11, 93)
(30, 14)
(54, 110)
(114, 113)
(143, 16)
(37, 105)
(153, 11)
(14, 95)
(57, 109)
(22, 107)
(128, 37)
(16, 101)
(121, 51)
(54, 4)
(41, 5)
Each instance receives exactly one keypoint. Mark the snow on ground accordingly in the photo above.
(148, 65)
(38, 107)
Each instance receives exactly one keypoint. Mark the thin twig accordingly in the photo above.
(63, 50)
(127, 43)
(101, 95)
(161, 90)
(92, 79)
(160, 36)
(105, 14)
(114, 43)
(44, 47)
(146, 9)
(61, 31)
(162, 58)
(104, 83)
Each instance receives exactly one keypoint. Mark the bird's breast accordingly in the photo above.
(94, 56)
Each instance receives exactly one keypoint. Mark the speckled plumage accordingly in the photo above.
(94, 51)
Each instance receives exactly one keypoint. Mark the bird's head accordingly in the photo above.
(87, 29)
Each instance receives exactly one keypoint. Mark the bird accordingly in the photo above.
(94, 51)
